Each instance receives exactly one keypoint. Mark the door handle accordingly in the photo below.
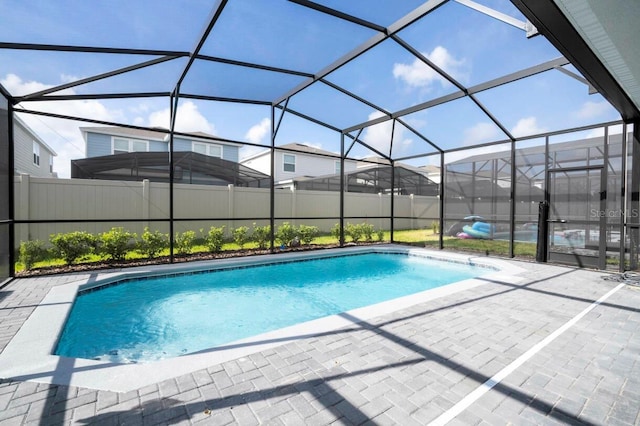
(557, 221)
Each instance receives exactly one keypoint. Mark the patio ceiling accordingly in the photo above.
(402, 80)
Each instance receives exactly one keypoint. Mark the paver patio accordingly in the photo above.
(536, 352)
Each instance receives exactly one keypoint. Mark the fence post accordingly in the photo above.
(413, 212)
(294, 204)
(380, 209)
(146, 202)
(24, 208)
(231, 201)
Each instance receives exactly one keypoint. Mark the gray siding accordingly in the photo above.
(230, 153)
(158, 146)
(98, 145)
(23, 151)
(23, 154)
(181, 144)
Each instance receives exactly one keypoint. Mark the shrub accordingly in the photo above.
(241, 235)
(262, 235)
(214, 239)
(367, 231)
(152, 243)
(183, 242)
(31, 251)
(435, 226)
(380, 234)
(73, 245)
(285, 233)
(308, 233)
(354, 231)
(114, 244)
(335, 231)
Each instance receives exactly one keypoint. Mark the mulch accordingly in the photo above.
(103, 265)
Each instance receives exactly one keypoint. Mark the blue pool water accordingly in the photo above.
(164, 317)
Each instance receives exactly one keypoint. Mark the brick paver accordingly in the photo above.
(406, 368)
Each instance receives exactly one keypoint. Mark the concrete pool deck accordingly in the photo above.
(557, 346)
(29, 354)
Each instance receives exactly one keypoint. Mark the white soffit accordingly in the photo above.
(611, 29)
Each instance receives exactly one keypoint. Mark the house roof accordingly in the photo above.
(159, 135)
(571, 148)
(431, 168)
(372, 160)
(373, 179)
(127, 132)
(376, 161)
(300, 147)
(294, 147)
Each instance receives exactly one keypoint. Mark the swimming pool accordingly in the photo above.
(29, 355)
(155, 318)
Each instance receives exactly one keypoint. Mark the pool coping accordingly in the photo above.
(28, 357)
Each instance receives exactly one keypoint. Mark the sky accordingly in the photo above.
(470, 47)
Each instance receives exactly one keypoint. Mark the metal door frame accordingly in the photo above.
(575, 259)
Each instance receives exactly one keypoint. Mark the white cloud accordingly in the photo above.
(257, 132)
(64, 135)
(188, 119)
(78, 108)
(480, 132)
(378, 136)
(66, 78)
(419, 74)
(527, 126)
(61, 135)
(17, 87)
(139, 121)
(142, 108)
(598, 132)
(312, 144)
(591, 110)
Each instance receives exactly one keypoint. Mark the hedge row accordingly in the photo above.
(115, 244)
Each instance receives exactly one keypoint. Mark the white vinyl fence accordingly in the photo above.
(50, 199)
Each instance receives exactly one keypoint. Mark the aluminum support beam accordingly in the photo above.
(95, 78)
(338, 14)
(91, 49)
(364, 47)
(525, 26)
(215, 14)
(509, 78)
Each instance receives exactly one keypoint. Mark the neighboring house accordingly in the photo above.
(429, 171)
(432, 172)
(373, 179)
(101, 141)
(297, 160)
(32, 155)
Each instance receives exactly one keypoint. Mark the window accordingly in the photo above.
(122, 146)
(207, 149)
(138, 146)
(36, 153)
(337, 168)
(200, 148)
(289, 163)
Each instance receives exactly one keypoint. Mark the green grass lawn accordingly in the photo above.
(497, 247)
(420, 237)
